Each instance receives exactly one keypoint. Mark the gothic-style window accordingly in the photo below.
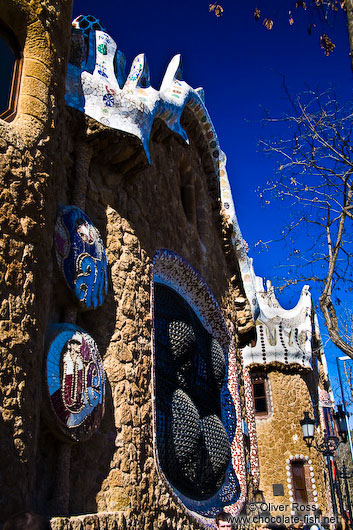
(260, 394)
(299, 484)
(193, 444)
(11, 64)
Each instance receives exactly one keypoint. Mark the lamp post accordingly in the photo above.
(340, 419)
(338, 489)
(308, 428)
(345, 358)
(343, 431)
(345, 475)
(327, 448)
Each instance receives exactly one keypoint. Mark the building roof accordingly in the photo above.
(283, 335)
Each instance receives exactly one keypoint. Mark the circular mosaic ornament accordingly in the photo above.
(81, 257)
(75, 382)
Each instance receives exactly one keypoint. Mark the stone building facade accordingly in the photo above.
(123, 309)
(128, 343)
(287, 373)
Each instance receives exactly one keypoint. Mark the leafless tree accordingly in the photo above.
(320, 15)
(315, 181)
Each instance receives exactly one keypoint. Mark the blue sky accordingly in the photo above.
(241, 67)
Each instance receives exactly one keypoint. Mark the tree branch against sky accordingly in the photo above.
(320, 17)
(315, 167)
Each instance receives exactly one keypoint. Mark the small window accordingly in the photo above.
(299, 483)
(11, 64)
(260, 394)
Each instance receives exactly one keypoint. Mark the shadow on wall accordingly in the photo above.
(156, 205)
(90, 464)
(74, 491)
(91, 461)
(8, 503)
(137, 210)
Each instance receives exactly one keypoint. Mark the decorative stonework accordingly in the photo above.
(250, 412)
(87, 23)
(174, 274)
(75, 382)
(46, 150)
(325, 398)
(81, 257)
(129, 103)
(284, 336)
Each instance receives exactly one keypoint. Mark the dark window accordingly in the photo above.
(299, 486)
(329, 425)
(193, 444)
(260, 393)
(11, 64)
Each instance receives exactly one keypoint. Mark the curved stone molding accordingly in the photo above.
(75, 382)
(193, 312)
(81, 257)
(284, 335)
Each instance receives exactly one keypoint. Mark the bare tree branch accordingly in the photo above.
(315, 181)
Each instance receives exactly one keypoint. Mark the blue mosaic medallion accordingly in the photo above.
(81, 257)
(75, 382)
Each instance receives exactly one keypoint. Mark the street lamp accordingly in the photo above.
(308, 428)
(327, 448)
(340, 419)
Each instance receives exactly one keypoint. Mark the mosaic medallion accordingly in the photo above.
(75, 382)
(81, 257)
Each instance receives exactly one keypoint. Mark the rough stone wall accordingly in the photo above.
(46, 153)
(280, 436)
(31, 147)
(138, 212)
